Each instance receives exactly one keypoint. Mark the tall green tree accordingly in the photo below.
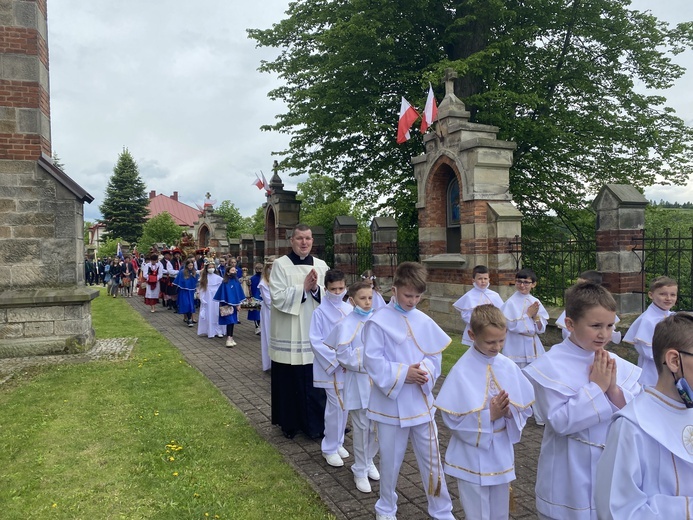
(160, 229)
(125, 206)
(235, 222)
(558, 77)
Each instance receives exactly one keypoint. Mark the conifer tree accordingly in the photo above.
(125, 206)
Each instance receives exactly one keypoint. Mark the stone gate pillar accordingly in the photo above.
(466, 217)
(384, 248)
(620, 225)
(44, 304)
(281, 216)
(345, 228)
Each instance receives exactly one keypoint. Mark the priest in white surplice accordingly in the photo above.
(295, 283)
(646, 470)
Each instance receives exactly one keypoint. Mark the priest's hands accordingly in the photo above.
(310, 284)
(500, 406)
(416, 375)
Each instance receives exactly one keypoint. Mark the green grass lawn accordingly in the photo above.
(146, 438)
(453, 353)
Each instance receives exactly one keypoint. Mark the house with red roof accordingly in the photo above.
(183, 215)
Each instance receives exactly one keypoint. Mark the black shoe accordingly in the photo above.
(289, 434)
(347, 430)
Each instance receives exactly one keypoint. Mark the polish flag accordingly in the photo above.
(258, 182)
(430, 113)
(407, 116)
(265, 183)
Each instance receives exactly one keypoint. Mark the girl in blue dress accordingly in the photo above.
(230, 295)
(186, 281)
(254, 313)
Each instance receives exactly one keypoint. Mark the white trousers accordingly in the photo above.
(335, 422)
(393, 442)
(484, 502)
(365, 445)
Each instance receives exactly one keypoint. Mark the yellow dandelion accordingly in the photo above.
(171, 459)
(196, 495)
(175, 473)
(156, 413)
(206, 514)
(54, 505)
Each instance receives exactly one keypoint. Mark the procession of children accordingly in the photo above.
(618, 438)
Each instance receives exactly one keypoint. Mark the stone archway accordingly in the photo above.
(442, 187)
(270, 232)
(203, 237)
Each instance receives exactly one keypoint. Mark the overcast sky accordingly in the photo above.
(176, 82)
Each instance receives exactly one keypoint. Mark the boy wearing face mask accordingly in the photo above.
(402, 355)
(327, 373)
(479, 294)
(345, 339)
(646, 470)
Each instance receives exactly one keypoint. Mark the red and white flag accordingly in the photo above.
(265, 183)
(258, 182)
(407, 116)
(430, 113)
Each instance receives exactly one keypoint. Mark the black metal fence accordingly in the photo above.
(667, 254)
(556, 262)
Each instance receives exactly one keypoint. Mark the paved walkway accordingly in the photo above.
(237, 373)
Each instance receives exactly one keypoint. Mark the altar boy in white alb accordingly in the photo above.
(646, 470)
(480, 294)
(663, 293)
(346, 340)
(578, 386)
(327, 373)
(403, 353)
(485, 400)
(526, 318)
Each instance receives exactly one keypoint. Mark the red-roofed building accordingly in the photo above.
(182, 214)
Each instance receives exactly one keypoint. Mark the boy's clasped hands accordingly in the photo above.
(603, 373)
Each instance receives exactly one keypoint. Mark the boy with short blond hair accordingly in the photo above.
(402, 355)
(578, 386)
(345, 339)
(646, 470)
(479, 294)
(663, 293)
(485, 400)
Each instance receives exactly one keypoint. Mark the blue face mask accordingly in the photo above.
(683, 388)
(358, 310)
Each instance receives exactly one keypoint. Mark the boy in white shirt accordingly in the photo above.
(646, 470)
(578, 386)
(345, 339)
(485, 400)
(402, 355)
(663, 293)
(327, 373)
(480, 294)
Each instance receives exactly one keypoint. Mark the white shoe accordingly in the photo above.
(385, 517)
(362, 484)
(220, 335)
(373, 472)
(229, 342)
(342, 452)
(257, 331)
(333, 459)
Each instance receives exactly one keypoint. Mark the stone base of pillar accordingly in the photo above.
(46, 321)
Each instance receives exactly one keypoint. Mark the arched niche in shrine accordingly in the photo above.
(443, 208)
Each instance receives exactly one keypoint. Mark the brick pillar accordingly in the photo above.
(620, 224)
(234, 247)
(384, 248)
(259, 248)
(281, 216)
(247, 251)
(345, 228)
(44, 305)
(318, 233)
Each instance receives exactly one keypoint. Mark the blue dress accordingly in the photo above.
(186, 291)
(254, 314)
(229, 293)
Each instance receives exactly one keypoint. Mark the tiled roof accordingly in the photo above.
(183, 214)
